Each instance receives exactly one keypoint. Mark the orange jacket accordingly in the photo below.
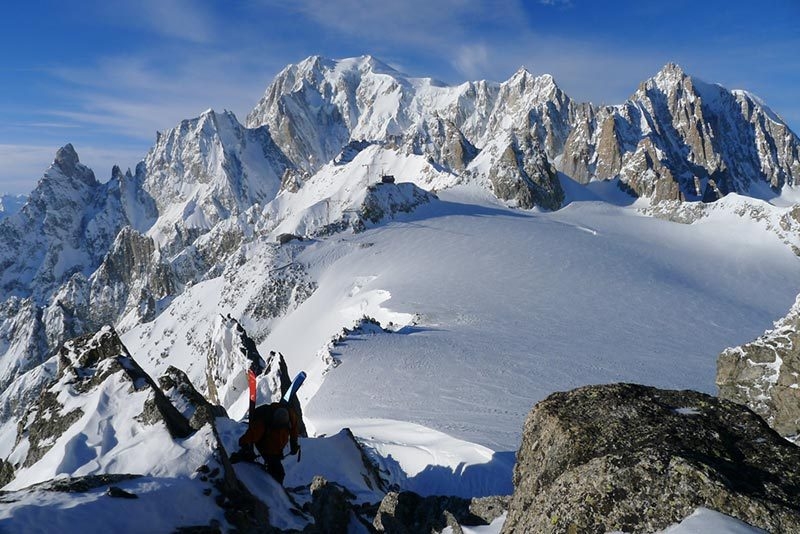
(269, 440)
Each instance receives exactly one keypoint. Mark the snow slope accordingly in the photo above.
(590, 294)
(493, 309)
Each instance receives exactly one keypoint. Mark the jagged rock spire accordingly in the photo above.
(66, 159)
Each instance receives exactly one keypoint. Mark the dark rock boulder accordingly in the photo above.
(631, 458)
(764, 374)
(82, 484)
(409, 513)
(6, 473)
(330, 506)
(194, 406)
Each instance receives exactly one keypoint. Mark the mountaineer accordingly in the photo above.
(271, 428)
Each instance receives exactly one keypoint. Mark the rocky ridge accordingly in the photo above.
(170, 414)
(764, 374)
(595, 459)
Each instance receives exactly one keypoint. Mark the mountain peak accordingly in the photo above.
(671, 67)
(376, 65)
(522, 72)
(314, 63)
(670, 73)
(66, 158)
(525, 76)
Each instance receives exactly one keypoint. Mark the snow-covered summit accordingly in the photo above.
(206, 170)
(676, 137)
(316, 107)
(679, 138)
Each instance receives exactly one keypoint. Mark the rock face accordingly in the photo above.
(385, 201)
(65, 227)
(191, 403)
(765, 374)
(231, 353)
(329, 506)
(678, 138)
(523, 176)
(408, 513)
(206, 170)
(631, 458)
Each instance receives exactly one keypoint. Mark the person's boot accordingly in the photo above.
(244, 454)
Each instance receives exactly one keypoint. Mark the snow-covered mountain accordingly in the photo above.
(680, 138)
(364, 225)
(676, 137)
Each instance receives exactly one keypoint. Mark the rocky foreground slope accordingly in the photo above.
(631, 458)
(619, 457)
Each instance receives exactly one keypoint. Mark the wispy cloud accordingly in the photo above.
(431, 29)
(44, 125)
(179, 19)
(561, 3)
(140, 95)
(473, 60)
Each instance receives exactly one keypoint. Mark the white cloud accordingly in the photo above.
(430, 27)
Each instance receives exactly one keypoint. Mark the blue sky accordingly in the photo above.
(106, 75)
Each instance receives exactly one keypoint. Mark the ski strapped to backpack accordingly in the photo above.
(296, 383)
